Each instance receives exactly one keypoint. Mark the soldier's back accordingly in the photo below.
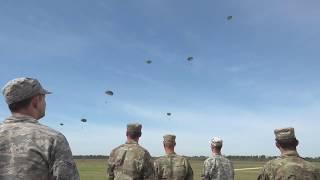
(173, 167)
(130, 161)
(218, 168)
(31, 151)
(289, 168)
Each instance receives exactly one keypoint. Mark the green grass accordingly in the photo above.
(96, 169)
(92, 169)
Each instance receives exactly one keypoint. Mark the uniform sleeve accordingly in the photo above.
(206, 170)
(156, 167)
(264, 173)
(189, 175)
(62, 165)
(148, 167)
(111, 166)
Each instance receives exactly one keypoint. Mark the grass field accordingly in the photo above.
(96, 169)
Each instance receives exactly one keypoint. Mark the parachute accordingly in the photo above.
(61, 124)
(168, 114)
(229, 18)
(190, 58)
(148, 61)
(83, 120)
(110, 93)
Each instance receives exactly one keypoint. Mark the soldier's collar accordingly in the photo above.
(171, 153)
(131, 142)
(20, 118)
(290, 153)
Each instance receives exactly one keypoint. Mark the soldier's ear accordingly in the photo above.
(35, 102)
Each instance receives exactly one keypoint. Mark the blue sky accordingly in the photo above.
(250, 75)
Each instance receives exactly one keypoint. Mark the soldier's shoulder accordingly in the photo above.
(51, 132)
(309, 165)
(224, 158)
(142, 149)
(161, 159)
(180, 157)
(132, 147)
(273, 163)
(119, 147)
(44, 131)
(209, 160)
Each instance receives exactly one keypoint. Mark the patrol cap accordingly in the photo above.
(284, 134)
(22, 88)
(216, 142)
(169, 138)
(134, 127)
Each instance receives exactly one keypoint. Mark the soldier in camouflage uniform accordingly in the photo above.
(28, 149)
(289, 166)
(172, 166)
(217, 167)
(130, 161)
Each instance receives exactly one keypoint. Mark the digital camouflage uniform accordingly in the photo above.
(217, 167)
(289, 166)
(172, 166)
(32, 151)
(28, 149)
(130, 161)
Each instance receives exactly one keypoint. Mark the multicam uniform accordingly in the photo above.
(289, 167)
(32, 151)
(130, 161)
(173, 167)
(218, 168)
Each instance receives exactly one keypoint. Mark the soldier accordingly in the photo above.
(217, 167)
(30, 150)
(289, 165)
(172, 166)
(130, 161)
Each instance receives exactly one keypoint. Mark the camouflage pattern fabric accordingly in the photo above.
(289, 167)
(173, 167)
(22, 88)
(130, 161)
(32, 151)
(218, 168)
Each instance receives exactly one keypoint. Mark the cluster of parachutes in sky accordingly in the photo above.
(110, 93)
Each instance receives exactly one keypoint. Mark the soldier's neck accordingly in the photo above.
(169, 150)
(216, 152)
(24, 113)
(287, 151)
(132, 139)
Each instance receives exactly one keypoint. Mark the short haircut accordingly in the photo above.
(14, 107)
(134, 134)
(288, 144)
